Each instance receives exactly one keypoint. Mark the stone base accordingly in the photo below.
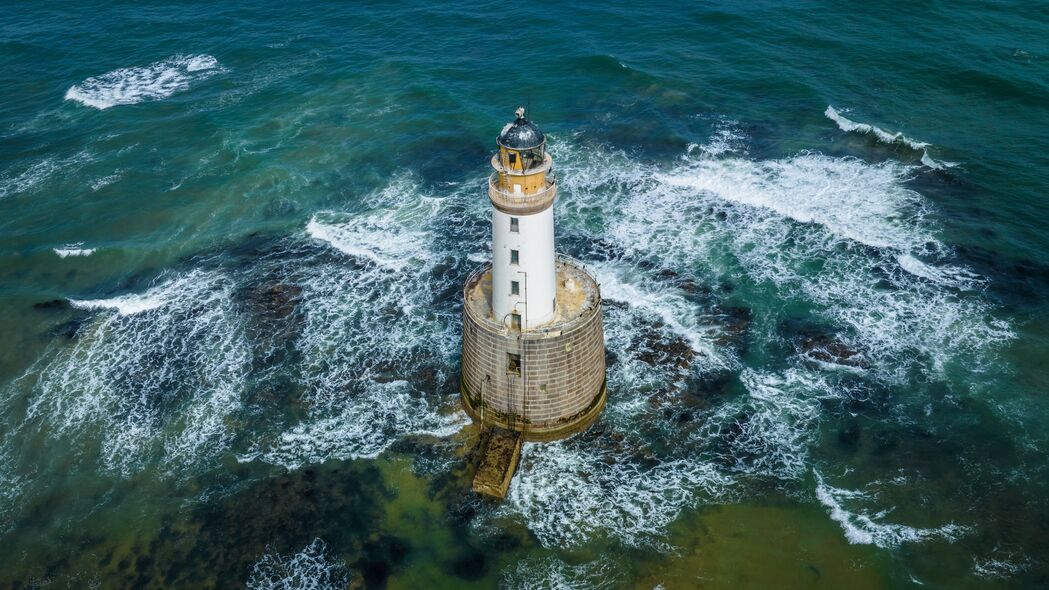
(541, 433)
(546, 383)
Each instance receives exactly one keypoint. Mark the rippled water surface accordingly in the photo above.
(233, 239)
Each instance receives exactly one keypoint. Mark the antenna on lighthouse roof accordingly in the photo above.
(520, 112)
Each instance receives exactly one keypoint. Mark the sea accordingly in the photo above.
(233, 238)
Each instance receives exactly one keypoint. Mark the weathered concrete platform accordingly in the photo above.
(500, 450)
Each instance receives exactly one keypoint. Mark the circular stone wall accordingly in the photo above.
(547, 382)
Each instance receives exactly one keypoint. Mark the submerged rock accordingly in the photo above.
(831, 349)
(52, 305)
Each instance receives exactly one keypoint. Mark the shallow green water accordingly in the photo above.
(232, 241)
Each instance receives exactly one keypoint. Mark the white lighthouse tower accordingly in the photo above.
(523, 272)
(533, 362)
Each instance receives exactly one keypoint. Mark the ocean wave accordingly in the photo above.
(1001, 563)
(371, 321)
(40, 172)
(312, 568)
(681, 317)
(74, 250)
(133, 85)
(567, 493)
(769, 432)
(154, 378)
(135, 303)
(104, 181)
(848, 125)
(866, 529)
(726, 139)
(858, 201)
(363, 427)
(552, 573)
(949, 276)
(822, 231)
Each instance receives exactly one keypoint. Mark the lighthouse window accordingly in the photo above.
(513, 364)
(513, 158)
(514, 226)
(515, 321)
(515, 257)
(515, 288)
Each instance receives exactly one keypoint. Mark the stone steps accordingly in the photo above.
(499, 453)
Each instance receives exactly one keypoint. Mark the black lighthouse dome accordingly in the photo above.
(522, 134)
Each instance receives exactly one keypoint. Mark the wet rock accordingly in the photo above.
(276, 300)
(735, 323)
(657, 347)
(831, 349)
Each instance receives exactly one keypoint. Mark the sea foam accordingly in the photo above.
(312, 568)
(868, 529)
(77, 249)
(133, 85)
(154, 377)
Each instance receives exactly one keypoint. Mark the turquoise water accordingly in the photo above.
(232, 241)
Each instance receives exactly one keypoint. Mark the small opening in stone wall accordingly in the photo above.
(515, 321)
(514, 225)
(515, 257)
(513, 364)
(515, 288)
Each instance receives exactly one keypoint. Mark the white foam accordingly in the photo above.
(40, 172)
(866, 529)
(364, 325)
(850, 198)
(312, 568)
(552, 573)
(1003, 562)
(727, 139)
(100, 183)
(363, 427)
(567, 493)
(133, 85)
(780, 422)
(155, 380)
(793, 226)
(74, 250)
(679, 315)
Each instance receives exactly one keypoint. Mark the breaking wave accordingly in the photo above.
(848, 125)
(868, 529)
(77, 249)
(313, 568)
(156, 81)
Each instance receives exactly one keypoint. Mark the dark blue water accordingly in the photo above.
(232, 240)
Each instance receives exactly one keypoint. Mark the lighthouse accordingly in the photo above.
(533, 356)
